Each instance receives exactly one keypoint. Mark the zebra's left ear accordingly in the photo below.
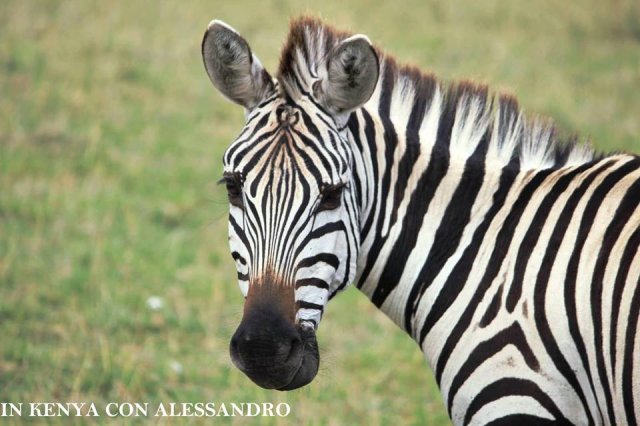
(351, 75)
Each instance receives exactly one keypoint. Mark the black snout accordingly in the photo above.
(273, 352)
(265, 342)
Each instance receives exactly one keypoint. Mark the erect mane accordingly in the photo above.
(473, 114)
(304, 52)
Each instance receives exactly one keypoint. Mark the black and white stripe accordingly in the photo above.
(509, 256)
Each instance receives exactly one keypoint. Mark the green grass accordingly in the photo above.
(111, 139)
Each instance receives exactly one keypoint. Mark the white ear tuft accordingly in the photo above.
(357, 37)
(223, 24)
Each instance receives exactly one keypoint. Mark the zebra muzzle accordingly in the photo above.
(268, 346)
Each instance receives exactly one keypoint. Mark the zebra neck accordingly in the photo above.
(433, 166)
(423, 192)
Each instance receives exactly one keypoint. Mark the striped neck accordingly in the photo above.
(432, 163)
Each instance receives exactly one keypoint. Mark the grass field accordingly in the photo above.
(111, 138)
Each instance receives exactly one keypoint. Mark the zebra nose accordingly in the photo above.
(265, 344)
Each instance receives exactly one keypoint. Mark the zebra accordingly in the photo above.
(509, 254)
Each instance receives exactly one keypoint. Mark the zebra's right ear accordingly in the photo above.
(231, 66)
(351, 75)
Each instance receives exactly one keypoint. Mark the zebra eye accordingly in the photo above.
(234, 188)
(331, 197)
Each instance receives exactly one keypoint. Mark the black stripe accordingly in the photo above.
(370, 136)
(461, 271)
(255, 229)
(236, 256)
(354, 131)
(238, 230)
(313, 282)
(317, 140)
(308, 305)
(449, 233)
(498, 255)
(629, 366)
(303, 221)
(325, 121)
(492, 310)
(624, 211)
(514, 387)
(421, 103)
(524, 420)
(540, 294)
(390, 142)
(411, 224)
(328, 258)
(274, 147)
(231, 151)
(533, 233)
(336, 144)
(590, 211)
(417, 208)
(307, 161)
(512, 335)
(320, 232)
(313, 146)
(618, 288)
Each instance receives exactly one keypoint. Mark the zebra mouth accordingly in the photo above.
(309, 362)
(281, 357)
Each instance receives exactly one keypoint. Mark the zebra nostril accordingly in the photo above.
(233, 346)
(238, 345)
(295, 348)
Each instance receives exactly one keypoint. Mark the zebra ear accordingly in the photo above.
(231, 66)
(352, 74)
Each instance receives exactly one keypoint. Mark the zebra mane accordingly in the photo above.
(476, 119)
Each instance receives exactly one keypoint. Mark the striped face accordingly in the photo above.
(292, 208)
(293, 221)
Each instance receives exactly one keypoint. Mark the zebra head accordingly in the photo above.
(293, 219)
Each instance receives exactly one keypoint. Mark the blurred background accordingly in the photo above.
(115, 279)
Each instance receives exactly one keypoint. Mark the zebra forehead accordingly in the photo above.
(284, 159)
(289, 149)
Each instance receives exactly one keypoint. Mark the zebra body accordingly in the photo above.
(510, 258)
